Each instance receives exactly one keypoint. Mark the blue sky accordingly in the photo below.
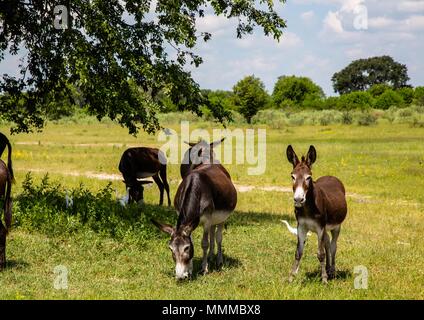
(322, 37)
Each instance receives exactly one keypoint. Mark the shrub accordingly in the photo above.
(407, 94)
(366, 119)
(331, 103)
(389, 99)
(355, 100)
(378, 89)
(326, 118)
(43, 207)
(419, 96)
(347, 117)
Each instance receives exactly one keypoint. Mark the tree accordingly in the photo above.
(116, 52)
(295, 90)
(361, 74)
(250, 96)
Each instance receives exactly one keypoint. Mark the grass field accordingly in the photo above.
(381, 166)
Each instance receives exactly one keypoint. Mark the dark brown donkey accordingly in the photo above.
(6, 179)
(206, 196)
(140, 163)
(320, 206)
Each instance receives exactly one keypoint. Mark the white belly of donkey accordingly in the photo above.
(214, 218)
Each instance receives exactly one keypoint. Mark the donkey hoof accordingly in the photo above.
(204, 271)
(324, 281)
(331, 273)
(290, 278)
(219, 263)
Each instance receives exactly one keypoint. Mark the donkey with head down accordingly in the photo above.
(6, 179)
(140, 163)
(206, 196)
(320, 206)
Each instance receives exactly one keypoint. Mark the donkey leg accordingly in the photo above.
(160, 186)
(211, 243)
(333, 246)
(219, 257)
(162, 174)
(321, 254)
(327, 253)
(301, 239)
(3, 233)
(205, 247)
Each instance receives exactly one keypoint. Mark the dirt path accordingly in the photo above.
(240, 188)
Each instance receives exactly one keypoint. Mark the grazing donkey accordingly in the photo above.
(206, 196)
(320, 206)
(6, 179)
(140, 163)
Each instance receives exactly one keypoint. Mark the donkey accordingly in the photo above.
(6, 180)
(140, 163)
(206, 196)
(320, 206)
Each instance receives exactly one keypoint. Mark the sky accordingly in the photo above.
(321, 38)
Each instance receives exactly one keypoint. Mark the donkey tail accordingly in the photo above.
(290, 228)
(3, 143)
(8, 203)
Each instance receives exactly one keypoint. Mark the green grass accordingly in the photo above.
(382, 167)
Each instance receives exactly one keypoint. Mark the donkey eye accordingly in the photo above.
(186, 248)
(308, 178)
(293, 177)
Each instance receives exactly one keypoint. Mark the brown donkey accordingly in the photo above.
(6, 179)
(320, 206)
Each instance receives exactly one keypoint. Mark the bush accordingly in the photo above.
(419, 96)
(355, 101)
(331, 103)
(43, 207)
(389, 99)
(327, 117)
(313, 103)
(378, 89)
(366, 119)
(347, 117)
(407, 94)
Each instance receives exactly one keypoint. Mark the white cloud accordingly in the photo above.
(216, 25)
(411, 6)
(332, 22)
(415, 22)
(307, 16)
(287, 40)
(381, 22)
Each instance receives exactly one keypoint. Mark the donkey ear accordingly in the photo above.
(163, 227)
(216, 143)
(191, 144)
(291, 156)
(311, 157)
(187, 230)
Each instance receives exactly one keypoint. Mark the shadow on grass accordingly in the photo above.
(16, 264)
(242, 218)
(316, 275)
(229, 263)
